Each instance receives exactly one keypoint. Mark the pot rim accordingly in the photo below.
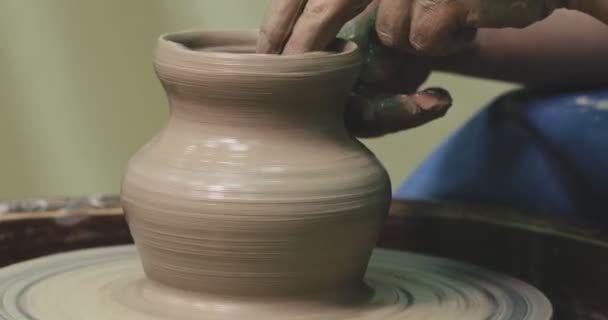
(235, 48)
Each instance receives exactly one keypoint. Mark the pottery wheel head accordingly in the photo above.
(109, 283)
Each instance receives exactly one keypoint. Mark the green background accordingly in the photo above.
(78, 94)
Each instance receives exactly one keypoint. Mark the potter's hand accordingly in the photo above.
(383, 101)
(427, 26)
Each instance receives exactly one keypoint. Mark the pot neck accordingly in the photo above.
(214, 77)
(287, 115)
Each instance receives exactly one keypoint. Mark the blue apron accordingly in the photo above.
(540, 152)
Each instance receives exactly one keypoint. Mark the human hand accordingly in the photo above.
(385, 98)
(380, 103)
(423, 26)
(383, 101)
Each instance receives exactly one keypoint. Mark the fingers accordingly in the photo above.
(440, 30)
(279, 22)
(367, 118)
(440, 27)
(429, 27)
(359, 28)
(432, 27)
(320, 22)
(393, 23)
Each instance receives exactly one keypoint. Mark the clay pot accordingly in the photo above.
(254, 187)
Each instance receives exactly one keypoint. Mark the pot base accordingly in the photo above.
(109, 283)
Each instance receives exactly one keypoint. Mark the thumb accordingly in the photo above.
(381, 115)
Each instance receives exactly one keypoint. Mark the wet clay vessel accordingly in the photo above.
(254, 187)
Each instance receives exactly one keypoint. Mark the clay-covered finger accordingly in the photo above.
(359, 28)
(320, 22)
(440, 29)
(278, 24)
(381, 115)
(379, 62)
(393, 23)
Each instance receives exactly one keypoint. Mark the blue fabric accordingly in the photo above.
(538, 152)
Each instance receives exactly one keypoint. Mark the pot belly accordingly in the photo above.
(275, 233)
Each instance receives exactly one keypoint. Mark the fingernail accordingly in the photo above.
(440, 94)
(435, 101)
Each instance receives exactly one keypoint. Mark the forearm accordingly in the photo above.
(568, 49)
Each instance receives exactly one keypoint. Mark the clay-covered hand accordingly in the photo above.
(427, 26)
(385, 100)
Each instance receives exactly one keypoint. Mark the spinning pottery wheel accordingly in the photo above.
(255, 203)
(568, 262)
(108, 283)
